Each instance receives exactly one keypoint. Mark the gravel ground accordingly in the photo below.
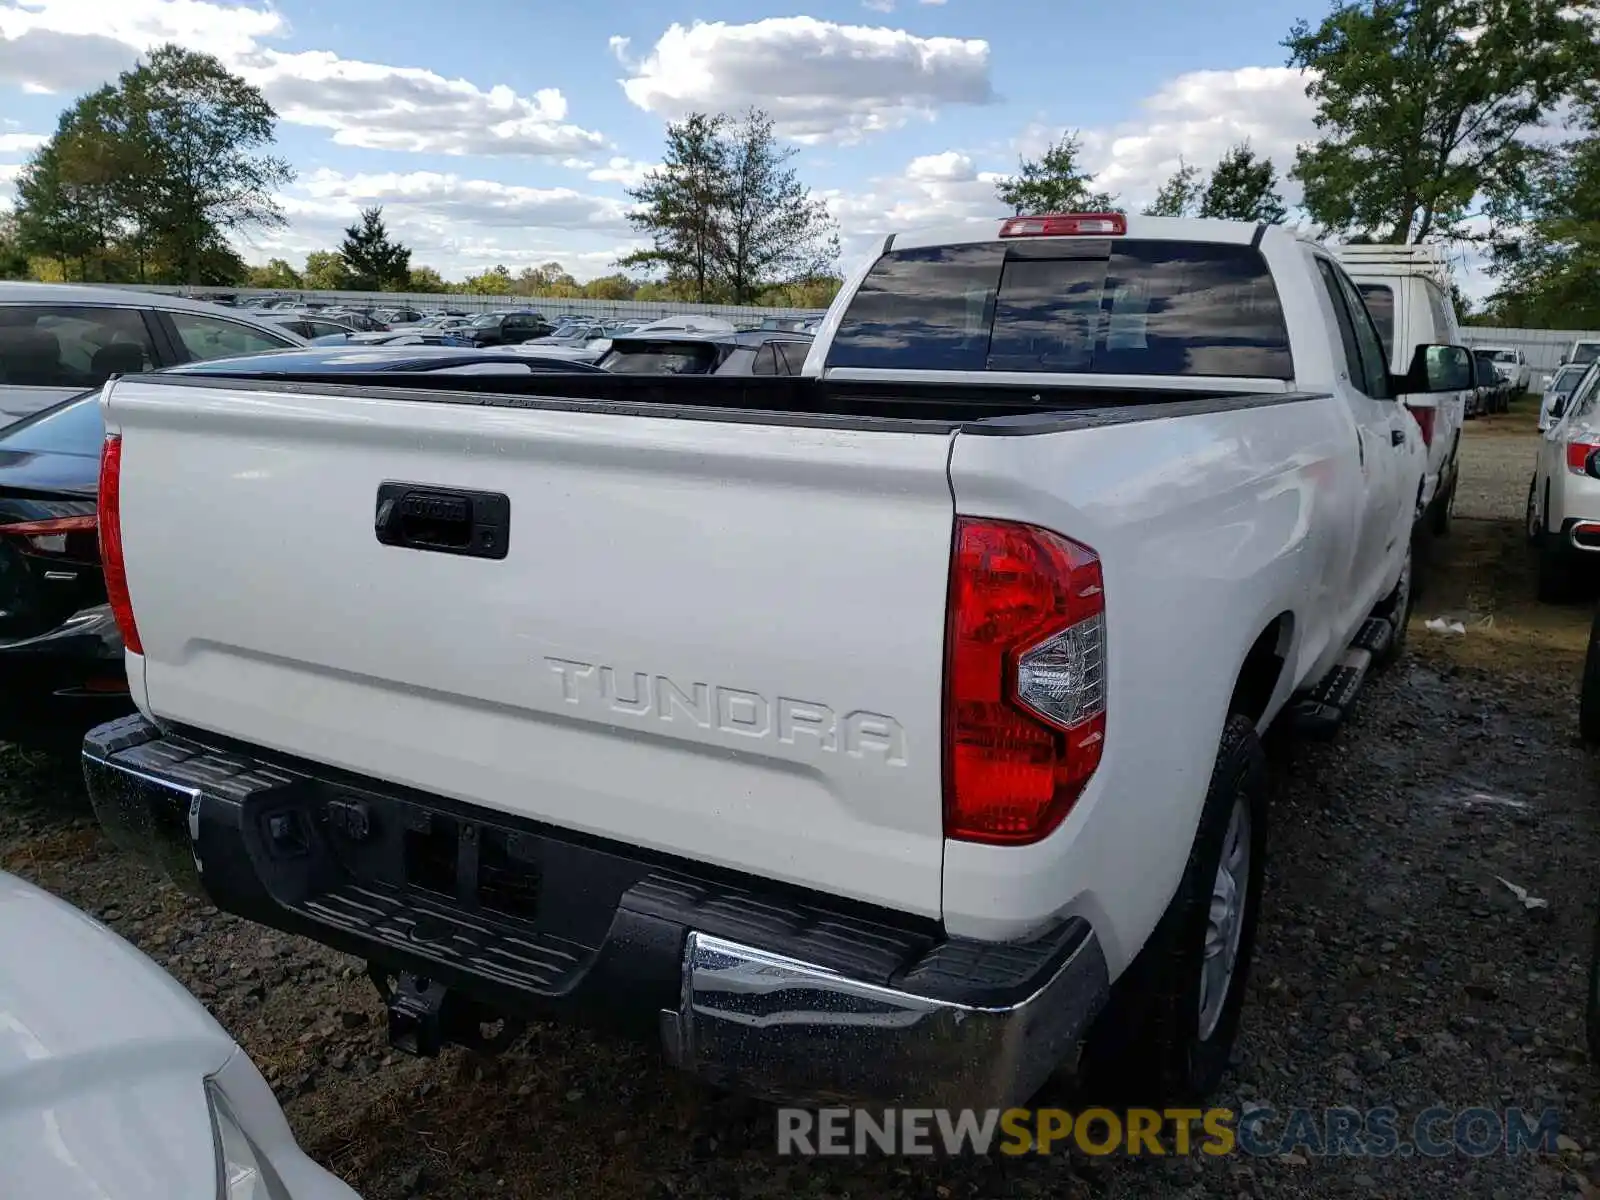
(1393, 966)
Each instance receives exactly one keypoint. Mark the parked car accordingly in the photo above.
(58, 339)
(1558, 390)
(398, 318)
(1563, 519)
(1510, 364)
(309, 326)
(662, 754)
(1492, 394)
(61, 660)
(1582, 353)
(753, 352)
(507, 328)
(1407, 291)
(118, 1084)
(413, 335)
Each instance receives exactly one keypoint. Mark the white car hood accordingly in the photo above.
(102, 1062)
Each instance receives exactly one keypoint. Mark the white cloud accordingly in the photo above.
(1200, 115)
(456, 225)
(624, 171)
(409, 108)
(883, 6)
(934, 190)
(950, 167)
(423, 195)
(63, 45)
(22, 143)
(819, 80)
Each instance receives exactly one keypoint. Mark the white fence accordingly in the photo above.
(1543, 348)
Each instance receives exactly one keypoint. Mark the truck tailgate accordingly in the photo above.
(722, 641)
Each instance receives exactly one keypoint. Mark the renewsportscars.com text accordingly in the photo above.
(1260, 1132)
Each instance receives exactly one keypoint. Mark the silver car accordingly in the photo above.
(57, 340)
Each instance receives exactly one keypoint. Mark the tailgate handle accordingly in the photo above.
(420, 516)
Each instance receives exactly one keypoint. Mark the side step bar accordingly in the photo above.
(1319, 712)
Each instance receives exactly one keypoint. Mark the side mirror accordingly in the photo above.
(1437, 369)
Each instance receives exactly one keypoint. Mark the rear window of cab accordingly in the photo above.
(1074, 306)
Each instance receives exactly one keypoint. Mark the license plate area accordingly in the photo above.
(475, 865)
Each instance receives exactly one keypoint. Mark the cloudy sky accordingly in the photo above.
(507, 130)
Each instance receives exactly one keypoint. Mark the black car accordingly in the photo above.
(752, 352)
(61, 668)
(507, 328)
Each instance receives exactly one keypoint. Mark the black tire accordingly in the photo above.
(1396, 606)
(1591, 1012)
(1146, 1047)
(1589, 693)
(1555, 570)
(1443, 510)
(1533, 522)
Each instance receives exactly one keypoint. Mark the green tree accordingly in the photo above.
(1053, 183)
(375, 263)
(1423, 107)
(1243, 187)
(1549, 276)
(276, 274)
(13, 257)
(145, 179)
(549, 279)
(496, 281)
(204, 133)
(774, 230)
(325, 271)
(610, 287)
(681, 205)
(1180, 194)
(426, 279)
(79, 196)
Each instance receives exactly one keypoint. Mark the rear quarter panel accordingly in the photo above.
(1208, 527)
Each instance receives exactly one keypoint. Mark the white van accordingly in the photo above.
(1407, 290)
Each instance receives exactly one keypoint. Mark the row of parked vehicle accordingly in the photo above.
(803, 726)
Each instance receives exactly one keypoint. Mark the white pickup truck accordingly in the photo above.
(883, 732)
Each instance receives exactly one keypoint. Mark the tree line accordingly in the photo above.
(333, 271)
(1469, 122)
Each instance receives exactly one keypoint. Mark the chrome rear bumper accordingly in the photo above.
(787, 1030)
(792, 999)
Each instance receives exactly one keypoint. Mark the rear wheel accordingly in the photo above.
(1592, 1008)
(1589, 694)
(1444, 509)
(1535, 523)
(1167, 1034)
(1555, 570)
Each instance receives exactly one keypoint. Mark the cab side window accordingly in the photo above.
(1347, 329)
(1374, 361)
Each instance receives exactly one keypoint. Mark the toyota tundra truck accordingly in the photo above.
(887, 731)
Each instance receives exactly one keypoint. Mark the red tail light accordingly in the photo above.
(1025, 683)
(1424, 413)
(1578, 456)
(1067, 225)
(111, 564)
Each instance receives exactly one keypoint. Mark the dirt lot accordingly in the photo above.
(1394, 966)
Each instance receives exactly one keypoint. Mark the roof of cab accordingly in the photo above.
(1194, 229)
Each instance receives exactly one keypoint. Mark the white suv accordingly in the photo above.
(1564, 494)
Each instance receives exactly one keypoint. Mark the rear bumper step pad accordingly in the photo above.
(754, 986)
